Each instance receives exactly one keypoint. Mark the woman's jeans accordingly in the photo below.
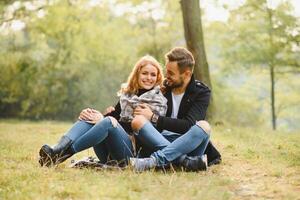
(168, 146)
(107, 141)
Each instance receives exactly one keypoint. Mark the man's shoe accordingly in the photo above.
(142, 164)
(194, 163)
(215, 161)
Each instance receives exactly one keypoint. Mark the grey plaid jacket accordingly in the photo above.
(154, 98)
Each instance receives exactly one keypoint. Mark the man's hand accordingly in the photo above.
(143, 109)
(109, 110)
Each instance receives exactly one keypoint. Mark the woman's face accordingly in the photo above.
(147, 77)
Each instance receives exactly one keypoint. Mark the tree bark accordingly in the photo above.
(195, 43)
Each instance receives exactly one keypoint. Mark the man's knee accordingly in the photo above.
(204, 125)
(138, 122)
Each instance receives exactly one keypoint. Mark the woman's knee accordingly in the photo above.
(204, 125)
(107, 122)
(138, 122)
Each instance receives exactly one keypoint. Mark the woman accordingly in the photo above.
(109, 135)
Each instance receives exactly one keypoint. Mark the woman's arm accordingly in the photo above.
(114, 112)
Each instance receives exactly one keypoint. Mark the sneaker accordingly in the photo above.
(142, 164)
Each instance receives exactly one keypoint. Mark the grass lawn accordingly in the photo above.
(257, 164)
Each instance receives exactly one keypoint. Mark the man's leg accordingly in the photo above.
(200, 150)
(213, 155)
(197, 136)
(148, 135)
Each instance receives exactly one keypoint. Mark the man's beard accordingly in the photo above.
(175, 84)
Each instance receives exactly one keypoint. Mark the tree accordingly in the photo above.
(195, 43)
(266, 37)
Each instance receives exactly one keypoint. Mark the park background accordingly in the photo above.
(60, 56)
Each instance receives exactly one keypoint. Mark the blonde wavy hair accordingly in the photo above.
(132, 85)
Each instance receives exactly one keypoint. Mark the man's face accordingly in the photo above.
(174, 78)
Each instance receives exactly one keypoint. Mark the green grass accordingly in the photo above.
(257, 164)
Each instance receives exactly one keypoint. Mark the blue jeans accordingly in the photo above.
(104, 138)
(169, 146)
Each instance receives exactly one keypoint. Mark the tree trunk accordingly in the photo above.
(195, 43)
(272, 66)
(272, 76)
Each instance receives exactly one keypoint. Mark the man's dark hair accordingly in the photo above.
(183, 57)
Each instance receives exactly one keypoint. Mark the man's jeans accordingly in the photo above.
(104, 138)
(169, 146)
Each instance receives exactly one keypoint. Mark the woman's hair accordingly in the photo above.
(132, 85)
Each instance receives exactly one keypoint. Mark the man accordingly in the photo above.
(183, 128)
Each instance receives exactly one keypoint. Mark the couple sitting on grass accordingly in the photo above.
(155, 123)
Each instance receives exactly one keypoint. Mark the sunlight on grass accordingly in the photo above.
(256, 164)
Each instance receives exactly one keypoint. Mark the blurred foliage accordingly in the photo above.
(75, 56)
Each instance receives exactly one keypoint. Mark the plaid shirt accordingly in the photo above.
(154, 98)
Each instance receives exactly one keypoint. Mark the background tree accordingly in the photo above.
(195, 42)
(264, 36)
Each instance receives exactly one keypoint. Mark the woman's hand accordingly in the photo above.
(95, 118)
(143, 109)
(85, 114)
(109, 110)
(90, 115)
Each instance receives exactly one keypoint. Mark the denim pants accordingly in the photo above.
(104, 138)
(169, 146)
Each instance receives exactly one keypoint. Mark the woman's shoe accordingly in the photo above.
(46, 156)
(59, 153)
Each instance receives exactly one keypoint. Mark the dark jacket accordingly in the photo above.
(192, 108)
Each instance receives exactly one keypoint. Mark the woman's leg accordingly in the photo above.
(117, 140)
(101, 152)
(48, 155)
(78, 129)
(119, 145)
